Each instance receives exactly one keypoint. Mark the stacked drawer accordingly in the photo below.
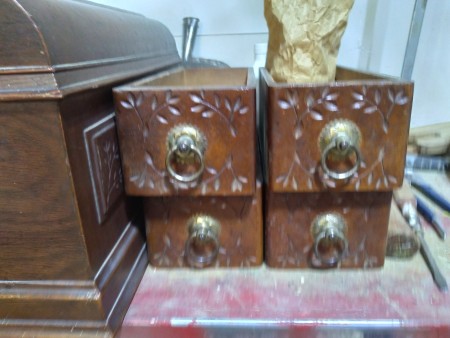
(334, 153)
(188, 145)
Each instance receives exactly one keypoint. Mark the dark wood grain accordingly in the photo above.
(72, 249)
(31, 151)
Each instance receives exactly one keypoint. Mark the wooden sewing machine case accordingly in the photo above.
(72, 249)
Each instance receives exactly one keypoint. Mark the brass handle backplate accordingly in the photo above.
(202, 245)
(339, 141)
(329, 232)
(185, 153)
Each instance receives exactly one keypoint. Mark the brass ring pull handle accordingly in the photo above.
(202, 245)
(339, 141)
(185, 148)
(330, 242)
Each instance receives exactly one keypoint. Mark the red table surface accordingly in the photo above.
(398, 300)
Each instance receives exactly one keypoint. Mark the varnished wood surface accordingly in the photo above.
(289, 218)
(224, 114)
(22, 46)
(241, 228)
(40, 238)
(35, 44)
(72, 249)
(297, 113)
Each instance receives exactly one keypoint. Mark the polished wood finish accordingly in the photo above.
(297, 114)
(299, 191)
(240, 238)
(290, 217)
(72, 249)
(220, 103)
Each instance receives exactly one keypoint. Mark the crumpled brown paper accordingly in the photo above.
(304, 38)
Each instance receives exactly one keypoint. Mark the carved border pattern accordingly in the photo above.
(104, 165)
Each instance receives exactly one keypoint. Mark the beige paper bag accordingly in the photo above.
(304, 38)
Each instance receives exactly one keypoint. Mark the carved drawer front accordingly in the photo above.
(346, 135)
(188, 132)
(327, 230)
(204, 232)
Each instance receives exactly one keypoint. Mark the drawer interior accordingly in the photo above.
(198, 77)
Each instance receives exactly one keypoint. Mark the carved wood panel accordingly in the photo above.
(241, 236)
(104, 165)
(289, 217)
(297, 115)
(226, 117)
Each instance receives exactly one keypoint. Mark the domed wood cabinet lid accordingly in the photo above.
(51, 48)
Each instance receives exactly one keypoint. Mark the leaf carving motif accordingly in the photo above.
(208, 109)
(110, 165)
(372, 104)
(376, 172)
(158, 110)
(310, 108)
(288, 178)
(237, 180)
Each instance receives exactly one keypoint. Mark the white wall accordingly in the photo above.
(375, 40)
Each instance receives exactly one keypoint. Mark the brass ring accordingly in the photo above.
(340, 175)
(336, 235)
(201, 261)
(184, 178)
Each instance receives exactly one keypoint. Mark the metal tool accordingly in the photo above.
(190, 26)
(431, 217)
(410, 214)
(435, 163)
(413, 39)
(432, 194)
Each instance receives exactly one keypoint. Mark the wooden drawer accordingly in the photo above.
(348, 135)
(188, 132)
(237, 241)
(291, 236)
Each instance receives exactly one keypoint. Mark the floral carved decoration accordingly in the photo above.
(215, 175)
(370, 103)
(289, 177)
(361, 255)
(326, 100)
(111, 180)
(208, 109)
(237, 249)
(157, 110)
(375, 173)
